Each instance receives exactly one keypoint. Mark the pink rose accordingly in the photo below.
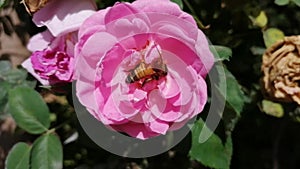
(141, 67)
(52, 60)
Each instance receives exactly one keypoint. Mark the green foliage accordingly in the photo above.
(272, 35)
(234, 97)
(286, 2)
(211, 153)
(235, 101)
(282, 2)
(31, 113)
(9, 79)
(221, 52)
(2, 3)
(29, 110)
(4, 67)
(295, 115)
(179, 3)
(18, 157)
(297, 2)
(47, 153)
(233, 94)
(272, 108)
(4, 87)
(261, 20)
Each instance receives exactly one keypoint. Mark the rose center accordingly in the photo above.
(149, 67)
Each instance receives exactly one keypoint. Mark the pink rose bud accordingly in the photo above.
(51, 65)
(141, 67)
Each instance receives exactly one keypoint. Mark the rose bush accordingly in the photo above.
(281, 70)
(52, 60)
(114, 43)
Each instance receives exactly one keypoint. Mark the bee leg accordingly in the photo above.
(155, 76)
(146, 81)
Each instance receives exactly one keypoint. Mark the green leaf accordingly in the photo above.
(28, 83)
(2, 2)
(4, 111)
(282, 2)
(211, 153)
(295, 115)
(15, 76)
(47, 153)
(179, 3)
(29, 110)
(297, 2)
(220, 52)
(272, 35)
(256, 50)
(234, 95)
(4, 87)
(18, 157)
(4, 66)
(261, 20)
(273, 109)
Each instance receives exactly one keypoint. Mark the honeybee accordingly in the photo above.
(147, 72)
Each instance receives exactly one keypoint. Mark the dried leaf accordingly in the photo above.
(34, 5)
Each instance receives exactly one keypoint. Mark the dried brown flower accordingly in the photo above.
(34, 5)
(281, 70)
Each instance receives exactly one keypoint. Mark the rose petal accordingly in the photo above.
(169, 88)
(159, 126)
(163, 7)
(200, 92)
(127, 27)
(136, 130)
(111, 109)
(178, 125)
(29, 67)
(92, 24)
(205, 55)
(119, 10)
(184, 86)
(171, 113)
(173, 31)
(64, 16)
(157, 104)
(182, 51)
(93, 50)
(40, 41)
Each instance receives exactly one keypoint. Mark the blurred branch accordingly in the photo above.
(12, 43)
(277, 144)
(199, 22)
